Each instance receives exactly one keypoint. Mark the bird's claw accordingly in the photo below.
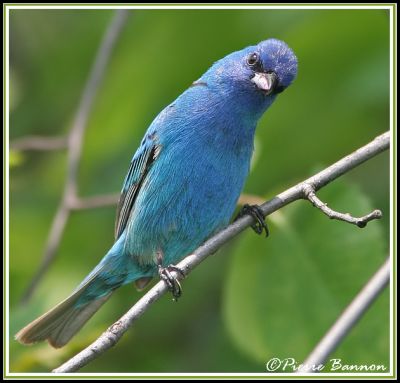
(255, 211)
(172, 282)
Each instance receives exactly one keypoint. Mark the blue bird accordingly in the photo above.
(183, 182)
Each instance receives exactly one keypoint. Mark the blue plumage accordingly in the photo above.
(183, 182)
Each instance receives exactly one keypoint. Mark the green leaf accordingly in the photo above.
(283, 293)
(16, 158)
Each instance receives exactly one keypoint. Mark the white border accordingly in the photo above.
(198, 6)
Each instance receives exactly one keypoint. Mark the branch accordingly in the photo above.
(361, 222)
(250, 199)
(112, 335)
(95, 201)
(74, 145)
(39, 143)
(348, 319)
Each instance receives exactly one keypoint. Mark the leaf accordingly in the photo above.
(283, 293)
(16, 158)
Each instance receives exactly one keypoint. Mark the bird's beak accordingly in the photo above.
(265, 81)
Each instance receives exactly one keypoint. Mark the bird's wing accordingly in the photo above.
(140, 165)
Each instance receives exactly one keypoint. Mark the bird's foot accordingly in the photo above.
(172, 282)
(255, 211)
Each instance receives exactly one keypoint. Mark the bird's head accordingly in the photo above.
(271, 66)
(254, 75)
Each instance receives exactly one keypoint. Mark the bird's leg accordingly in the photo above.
(255, 211)
(165, 274)
(172, 282)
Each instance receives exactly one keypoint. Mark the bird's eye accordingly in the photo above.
(253, 59)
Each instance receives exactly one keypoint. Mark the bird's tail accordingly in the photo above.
(61, 323)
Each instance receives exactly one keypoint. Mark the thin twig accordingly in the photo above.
(111, 336)
(250, 199)
(347, 319)
(361, 222)
(95, 201)
(39, 143)
(75, 141)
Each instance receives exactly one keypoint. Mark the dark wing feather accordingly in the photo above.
(138, 169)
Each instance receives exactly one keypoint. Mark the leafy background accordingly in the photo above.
(256, 298)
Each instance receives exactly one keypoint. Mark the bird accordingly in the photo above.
(183, 182)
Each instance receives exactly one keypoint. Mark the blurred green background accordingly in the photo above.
(257, 298)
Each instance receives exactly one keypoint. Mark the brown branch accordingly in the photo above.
(250, 199)
(95, 201)
(74, 144)
(309, 193)
(39, 143)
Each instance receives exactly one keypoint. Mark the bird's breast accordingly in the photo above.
(191, 189)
